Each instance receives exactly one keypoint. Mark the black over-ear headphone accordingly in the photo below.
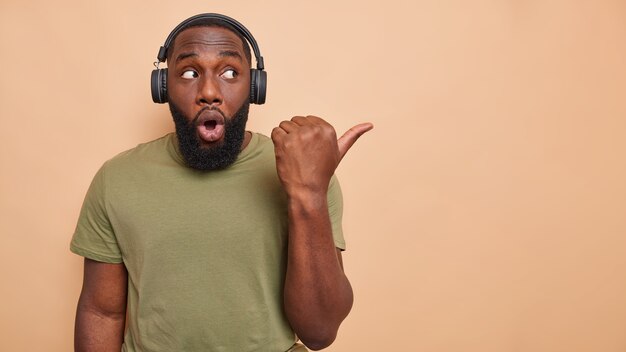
(258, 77)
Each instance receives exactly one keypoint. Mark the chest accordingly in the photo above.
(164, 216)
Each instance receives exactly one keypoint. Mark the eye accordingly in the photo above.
(229, 74)
(189, 74)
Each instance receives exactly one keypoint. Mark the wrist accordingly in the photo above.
(306, 201)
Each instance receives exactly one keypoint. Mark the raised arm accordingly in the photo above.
(318, 295)
(101, 311)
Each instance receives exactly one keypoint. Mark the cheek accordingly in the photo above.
(235, 95)
(179, 93)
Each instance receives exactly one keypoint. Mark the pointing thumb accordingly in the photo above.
(347, 140)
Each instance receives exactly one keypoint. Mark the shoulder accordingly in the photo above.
(259, 149)
(263, 138)
(144, 151)
(262, 141)
(136, 161)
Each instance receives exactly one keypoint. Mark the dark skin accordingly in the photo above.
(207, 67)
(101, 311)
(318, 295)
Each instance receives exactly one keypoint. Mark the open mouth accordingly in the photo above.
(210, 125)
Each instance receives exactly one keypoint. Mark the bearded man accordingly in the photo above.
(215, 238)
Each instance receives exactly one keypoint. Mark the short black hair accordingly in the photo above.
(213, 22)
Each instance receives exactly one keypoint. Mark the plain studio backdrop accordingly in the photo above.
(485, 212)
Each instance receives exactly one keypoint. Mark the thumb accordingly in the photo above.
(347, 140)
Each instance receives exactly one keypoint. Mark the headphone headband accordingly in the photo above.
(162, 55)
(258, 77)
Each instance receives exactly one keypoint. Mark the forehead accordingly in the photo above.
(203, 38)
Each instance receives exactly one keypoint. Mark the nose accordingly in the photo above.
(209, 92)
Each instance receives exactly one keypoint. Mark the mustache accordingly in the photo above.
(210, 108)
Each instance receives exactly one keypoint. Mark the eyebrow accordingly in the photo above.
(183, 56)
(230, 53)
(223, 53)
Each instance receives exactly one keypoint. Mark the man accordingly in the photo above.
(215, 238)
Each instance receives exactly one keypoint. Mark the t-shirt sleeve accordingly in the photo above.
(94, 237)
(335, 210)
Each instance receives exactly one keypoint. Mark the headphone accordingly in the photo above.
(258, 77)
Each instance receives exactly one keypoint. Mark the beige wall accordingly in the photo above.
(485, 212)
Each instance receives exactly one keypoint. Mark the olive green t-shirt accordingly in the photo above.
(205, 251)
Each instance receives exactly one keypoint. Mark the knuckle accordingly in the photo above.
(317, 129)
(310, 132)
(328, 130)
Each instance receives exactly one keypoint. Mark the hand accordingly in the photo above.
(308, 152)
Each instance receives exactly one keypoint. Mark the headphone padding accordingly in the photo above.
(158, 85)
(258, 86)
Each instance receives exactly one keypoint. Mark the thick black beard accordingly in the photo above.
(215, 157)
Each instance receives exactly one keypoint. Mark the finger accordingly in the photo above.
(288, 126)
(301, 120)
(277, 133)
(346, 141)
(316, 120)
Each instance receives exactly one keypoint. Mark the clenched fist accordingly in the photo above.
(308, 152)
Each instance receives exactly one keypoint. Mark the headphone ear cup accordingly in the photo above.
(258, 86)
(158, 85)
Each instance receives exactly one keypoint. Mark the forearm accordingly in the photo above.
(318, 295)
(98, 332)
